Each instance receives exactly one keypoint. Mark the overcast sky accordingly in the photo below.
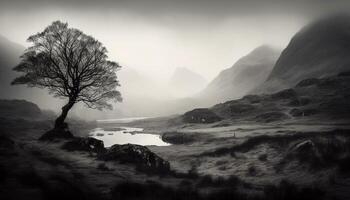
(156, 36)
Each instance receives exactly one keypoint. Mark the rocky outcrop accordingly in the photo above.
(201, 115)
(88, 144)
(57, 134)
(303, 147)
(178, 138)
(144, 159)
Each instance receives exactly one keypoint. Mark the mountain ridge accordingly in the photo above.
(319, 49)
(247, 73)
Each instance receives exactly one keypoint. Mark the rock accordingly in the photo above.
(304, 146)
(304, 151)
(57, 134)
(100, 134)
(177, 138)
(88, 144)
(144, 159)
(200, 115)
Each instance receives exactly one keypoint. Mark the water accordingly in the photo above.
(121, 120)
(112, 135)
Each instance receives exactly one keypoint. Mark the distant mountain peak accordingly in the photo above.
(247, 73)
(185, 83)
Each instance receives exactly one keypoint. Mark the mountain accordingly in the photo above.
(184, 82)
(320, 49)
(135, 84)
(316, 99)
(246, 74)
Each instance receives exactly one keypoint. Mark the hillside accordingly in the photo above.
(320, 49)
(19, 109)
(311, 99)
(246, 74)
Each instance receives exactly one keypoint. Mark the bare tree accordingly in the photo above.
(72, 66)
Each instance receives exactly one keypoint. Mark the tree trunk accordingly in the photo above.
(59, 123)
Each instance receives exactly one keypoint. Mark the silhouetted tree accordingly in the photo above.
(71, 65)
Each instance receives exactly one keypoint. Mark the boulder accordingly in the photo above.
(144, 159)
(178, 137)
(88, 144)
(200, 115)
(305, 151)
(304, 147)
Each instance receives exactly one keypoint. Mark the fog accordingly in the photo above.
(152, 38)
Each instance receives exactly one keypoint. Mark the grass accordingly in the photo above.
(288, 191)
(150, 190)
(103, 167)
(276, 141)
(263, 157)
(219, 182)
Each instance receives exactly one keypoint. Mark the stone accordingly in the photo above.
(144, 159)
(88, 144)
